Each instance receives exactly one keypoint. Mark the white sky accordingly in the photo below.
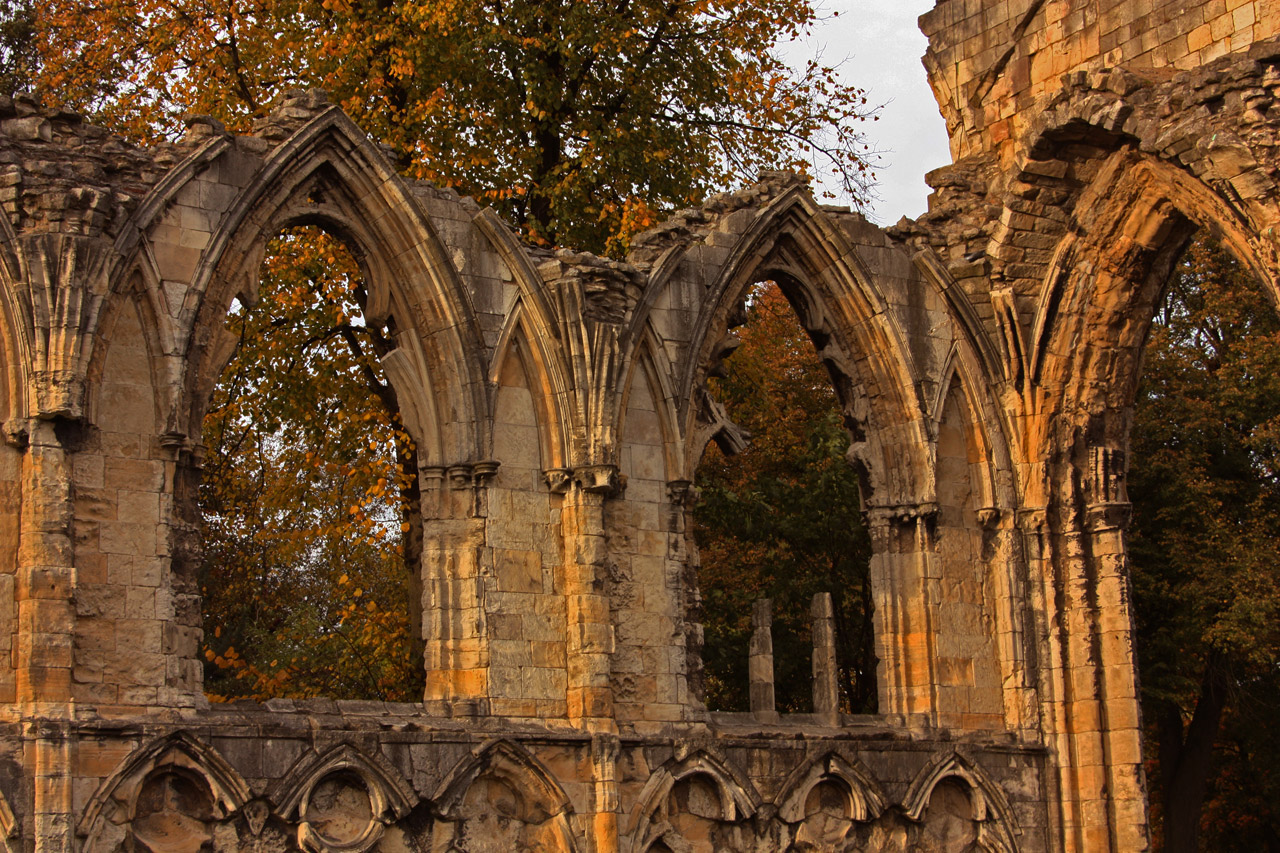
(881, 46)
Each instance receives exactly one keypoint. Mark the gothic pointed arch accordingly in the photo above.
(510, 762)
(344, 786)
(865, 801)
(528, 338)
(524, 275)
(113, 807)
(1117, 267)
(996, 830)
(724, 795)
(858, 336)
(150, 326)
(502, 780)
(986, 355)
(649, 362)
(533, 325)
(330, 175)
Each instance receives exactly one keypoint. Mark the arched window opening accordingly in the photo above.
(782, 520)
(1204, 481)
(309, 496)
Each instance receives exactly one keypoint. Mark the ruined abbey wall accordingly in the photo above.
(984, 356)
(993, 64)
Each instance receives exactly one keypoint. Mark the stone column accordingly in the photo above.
(1088, 684)
(682, 581)
(1116, 663)
(46, 619)
(46, 614)
(53, 747)
(605, 749)
(454, 556)
(826, 689)
(590, 640)
(760, 662)
(1037, 545)
(906, 578)
(1097, 731)
(1005, 557)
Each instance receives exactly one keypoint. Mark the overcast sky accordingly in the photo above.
(881, 46)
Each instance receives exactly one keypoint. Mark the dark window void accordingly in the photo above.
(782, 520)
(309, 494)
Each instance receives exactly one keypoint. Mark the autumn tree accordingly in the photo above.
(18, 56)
(1205, 486)
(308, 501)
(783, 519)
(580, 120)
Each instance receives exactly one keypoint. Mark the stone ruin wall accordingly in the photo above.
(993, 64)
(558, 402)
(985, 357)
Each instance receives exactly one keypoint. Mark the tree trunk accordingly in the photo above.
(1186, 758)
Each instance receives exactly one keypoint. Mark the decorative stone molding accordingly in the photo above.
(342, 800)
(113, 809)
(990, 809)
(865, 801)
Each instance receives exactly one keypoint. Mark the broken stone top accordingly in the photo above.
(293, 111)
(59, 173)
(610, 288)
(685, 227)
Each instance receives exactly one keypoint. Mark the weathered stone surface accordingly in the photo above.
(985, 357)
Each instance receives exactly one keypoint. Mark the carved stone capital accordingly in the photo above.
(991, 517)
(185, 450)
(1108, 516)
(558, 480)
(903, 514)
(484, 472)
(1032, 519)
(17, 433)
(431, 476)
(459, 476)
(59, 394)
(600, 479)
(681, 492)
